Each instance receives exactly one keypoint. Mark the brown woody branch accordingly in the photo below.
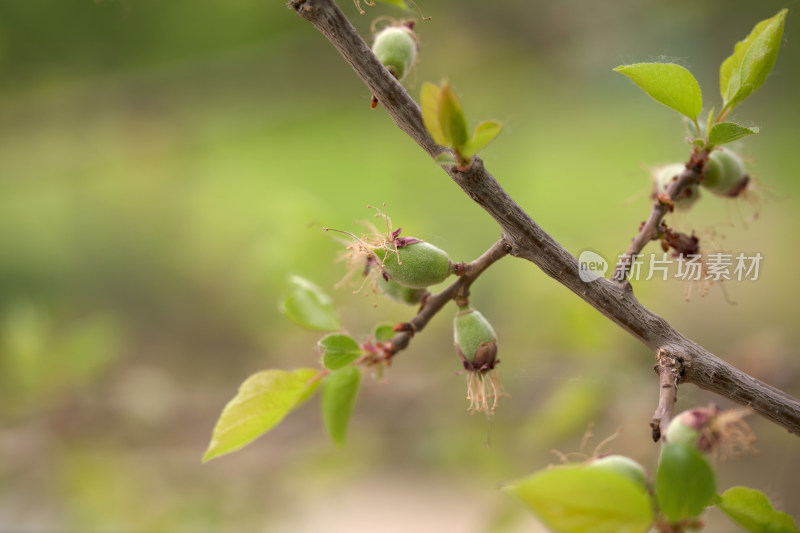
(529, 241)
(670, 371)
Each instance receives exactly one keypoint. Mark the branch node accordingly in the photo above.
(460, 269)
(405, 327)
(297, 5)
(627, 288)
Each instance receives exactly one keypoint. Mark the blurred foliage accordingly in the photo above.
(38, 364)
(166, 166)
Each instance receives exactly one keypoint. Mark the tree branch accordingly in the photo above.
(528, 241)
(670, 371)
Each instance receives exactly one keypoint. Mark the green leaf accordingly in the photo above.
(384, 332)
(685, 483)
(339, 394)
(430, 101)
(580, 499)
(451, 118)
(669, 84)
(753, 511)
(484, 133)
(263, 400)
(309, 306)
(726, 132)
(339, 350)
(751, 62)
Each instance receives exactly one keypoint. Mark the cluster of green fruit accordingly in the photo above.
(723, 175)
(405, 267)
(407, 270)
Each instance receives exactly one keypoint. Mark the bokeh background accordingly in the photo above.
(165, 166)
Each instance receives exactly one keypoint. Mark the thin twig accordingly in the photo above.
(529, 241)
(649, 230)
(669, 370)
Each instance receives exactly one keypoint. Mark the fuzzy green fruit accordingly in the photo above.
(724, 173)
(475, 340)
(396, 48)
(687, 427)
(680, 433)
(421, 264)
(399, 293)
(710, 429)
(622, 465)
(664, 176)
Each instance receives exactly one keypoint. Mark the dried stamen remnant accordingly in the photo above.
(404, 262)
(723, 433)
(476, 345)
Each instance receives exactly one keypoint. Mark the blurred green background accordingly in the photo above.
(165, 166)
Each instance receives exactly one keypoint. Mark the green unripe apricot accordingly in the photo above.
(663, 178)
(680, 433)
(398, 293)
(622, 465)
(687, 427)
(724, 173)
(475, 340)
(396, 48)
(421, 264)
(710, 429)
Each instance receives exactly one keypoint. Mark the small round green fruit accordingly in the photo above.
(687, 427)
(475, 340)
(396, 48)
(399, 293)
(664, 176)
(712, 430)
(420, 264)
(724, 173)
(622, 465)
